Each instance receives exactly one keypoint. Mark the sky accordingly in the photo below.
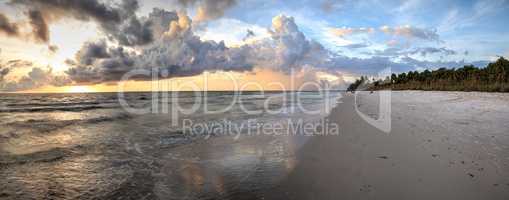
(100, 45)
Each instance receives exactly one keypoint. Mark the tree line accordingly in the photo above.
(492, 78)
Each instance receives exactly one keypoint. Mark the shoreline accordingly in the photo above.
(425, 156)
(442, 145)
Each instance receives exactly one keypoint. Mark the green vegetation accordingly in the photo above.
(493, 78)
(355, 85)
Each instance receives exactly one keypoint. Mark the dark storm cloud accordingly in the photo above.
(83, 10)
(92, 51)
(177, 51)
(117, 20)
(7, 27)
(39, 26)
(96, 62)
(160, 20)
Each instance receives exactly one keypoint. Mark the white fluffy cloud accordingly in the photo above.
(344, 31)
(238, 32)
(208, 9)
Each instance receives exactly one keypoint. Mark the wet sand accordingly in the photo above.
(442, 145)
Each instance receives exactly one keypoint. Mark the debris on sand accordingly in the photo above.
(434, 155)
(366, 188)
(471, 175)
(383, 157)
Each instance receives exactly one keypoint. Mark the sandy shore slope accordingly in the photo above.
(443, 145)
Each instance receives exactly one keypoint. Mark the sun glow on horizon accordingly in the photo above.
(258, 79)
(79, 89)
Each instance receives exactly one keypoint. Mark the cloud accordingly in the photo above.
(17, 64)
(160, 20)
(388, 52)
(367, 66)
(408, 5)
(181, 53)
(411, 32)
(432, 50)
(392, 42)
(175, 48)
(330, 5)
(249, 34)
(237, 32)
(457, 18)
(7, 27)
(118, 21)
(343, 32)
(290, 45)
(422, 51)
(434, 65)
(208, 9)
(39, 26)
(96, 62)
(375, 64)
(35, 78)
(52, 48)
(356, 46)
(178, 51)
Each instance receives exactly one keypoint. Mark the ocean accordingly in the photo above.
(181, 145)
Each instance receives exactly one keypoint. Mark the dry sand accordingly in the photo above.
(443, 145)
